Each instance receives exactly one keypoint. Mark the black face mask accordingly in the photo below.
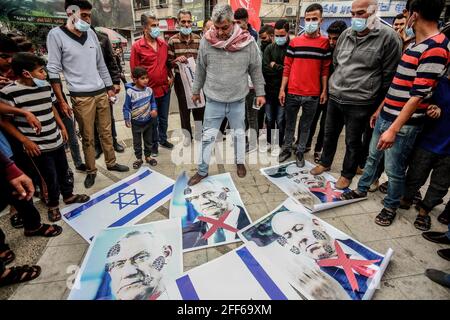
(264, 44)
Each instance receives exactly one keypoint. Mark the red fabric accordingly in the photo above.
(253, 7)
(238, 40)
(143, 55)
(305, 66)
(8, 168)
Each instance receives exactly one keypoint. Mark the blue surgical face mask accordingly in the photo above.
(359, 24)
(280, 40)
(409, 31)
(155, 32)
(186, 31)
(82, 26)
(40, 83)
(311, 27)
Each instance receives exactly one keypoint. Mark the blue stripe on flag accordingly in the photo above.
(78, 211)
(186, 288)
(133, 214)
(260, 275)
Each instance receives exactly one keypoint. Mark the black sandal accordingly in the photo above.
(16, 221)
(54, 214)
(77, 198)
(151, 161)
(10, 255)
(417, 197)
(137, 164)
(19, 274)
(383, 187)
(44, 231)
(422, 223)
(385, 217)
(350, 195)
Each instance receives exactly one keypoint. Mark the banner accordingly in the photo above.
(131, 263)
(187, 72)
(318, 260)
(123, 203)
(253, 7)
(197, 8)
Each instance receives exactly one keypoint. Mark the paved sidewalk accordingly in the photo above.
(404, 278)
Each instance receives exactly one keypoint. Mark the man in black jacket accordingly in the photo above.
(273, 62)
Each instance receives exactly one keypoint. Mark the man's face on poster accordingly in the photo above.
(302, 176)
(208, 199)
(135, 267)
(304, 235)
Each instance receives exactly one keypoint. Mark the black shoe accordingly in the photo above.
(444, 217)
(118, 147)
(284, 155)
(300, 160)
(439, 277)
(436, 237)
(166, 144)
(90, 180)
(16, 221)
(82, 167)
(444, 254)
(98, 152)
(119, 168)
(307, 149)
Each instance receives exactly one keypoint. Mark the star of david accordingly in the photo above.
(126, 199)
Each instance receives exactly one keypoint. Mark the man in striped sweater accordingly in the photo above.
(306, 70)
(399, 118)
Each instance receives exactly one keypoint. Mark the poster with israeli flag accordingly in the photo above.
(241, 274)
(121, 204)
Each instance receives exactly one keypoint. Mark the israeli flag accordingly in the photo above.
(122, 204)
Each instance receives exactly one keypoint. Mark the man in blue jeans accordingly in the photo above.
(399, 118)
(227, 56)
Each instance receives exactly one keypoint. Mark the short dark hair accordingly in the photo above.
(146, 16)
(282, 24)
(25, 61)
(139, 72)
(400, 16)
(241, 13)
(25, 46)
(408, 5)
(7, 44)
(314, 7)
(267, 28)
(429, 10)
(82, 4)
(337, 27)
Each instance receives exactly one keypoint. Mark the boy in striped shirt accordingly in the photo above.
(32, 93)
(400, 117)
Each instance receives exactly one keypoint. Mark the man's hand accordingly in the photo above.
(170, 81)
(153, 113)
(181, 59)
(282, 98)
(33, 121)
(65, 108)
(117, 88)
(31, 148)
(323, 97)
(196, 98)
(434, 111)
(373, 119)
(387, 139)
(260, 101)
(272, 64)
(64, 134)
(4, 81)
(111, 93)
(23, 187)
(128, 123)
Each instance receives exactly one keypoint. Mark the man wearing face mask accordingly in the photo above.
(273, 62)
(305, 75)
(74, 50)
(182, 46)
(266, 37)
(365, 60)
(151, 52)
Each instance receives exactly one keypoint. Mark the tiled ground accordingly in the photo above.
(403, 279)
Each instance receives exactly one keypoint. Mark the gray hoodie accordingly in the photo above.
(364, 67)
(223, 75)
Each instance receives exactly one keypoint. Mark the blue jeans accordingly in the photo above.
(395, 161)
(215, 112)
(160, 131)
(73, 141)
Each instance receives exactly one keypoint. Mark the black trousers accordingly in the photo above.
(321, 113)
(143, 132)
(55, 171)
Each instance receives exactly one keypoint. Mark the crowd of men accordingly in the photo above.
(389, 87)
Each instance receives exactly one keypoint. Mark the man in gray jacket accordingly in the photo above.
(227, 56)
(365, 60)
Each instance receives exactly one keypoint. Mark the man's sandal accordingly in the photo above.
(351, 195)
(16, 221)
(422, 223)
(45, 230)
(383, 187)
(19, 274)
(7, 255)
(54, 214)
(151, 161)
(77, 198)
(385, 217)
(137, 164)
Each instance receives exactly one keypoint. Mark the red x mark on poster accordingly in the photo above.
(219, 223)
(328, 191)
(349, 265)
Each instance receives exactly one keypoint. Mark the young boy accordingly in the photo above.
(140, 112)
(32, 93)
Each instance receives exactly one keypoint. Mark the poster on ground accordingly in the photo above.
(211, 212)
(131, 263)
(121, 204)
(316, 193)
(318, 260)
